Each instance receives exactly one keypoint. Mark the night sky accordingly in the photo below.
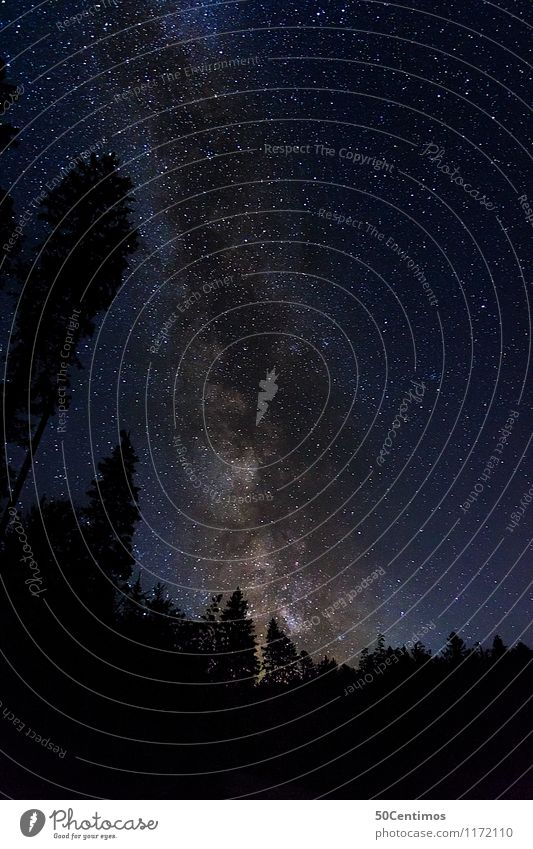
(331, 191)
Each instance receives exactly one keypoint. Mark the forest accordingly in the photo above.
(143, 698)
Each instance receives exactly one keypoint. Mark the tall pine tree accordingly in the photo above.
(133, 613)
(163, 617)
(455, 650)
(109, 523)
(498, 647)
(281, 662)
(79, 267)
(239, 661)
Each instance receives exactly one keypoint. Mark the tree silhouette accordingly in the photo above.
(306, 667)
(366, 662)
(239, 662)
(207, 638)
(109, 522)
(455, 650)
(79, 267)
(281, 663)
(132, 608)
(409, 693)
(163, 616)
(327, 664)
(522, 653)
(498, 647)
(420, 653)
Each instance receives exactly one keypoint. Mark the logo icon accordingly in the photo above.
(32, 822)
(268, 389)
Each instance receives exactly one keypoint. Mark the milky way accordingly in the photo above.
(331, 191)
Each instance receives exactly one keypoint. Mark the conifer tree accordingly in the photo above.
(208, 638)
(239, 662)
(281, 663)
(420, 653)
(522, 653)
(455, 650)
(79, 267)
(162, 617)
(133, 608)
(366, 665)
(306, 667)
(380, 653)
(110, 519)
(327, 664)
(498, 647)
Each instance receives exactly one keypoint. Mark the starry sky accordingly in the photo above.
(331, 190)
